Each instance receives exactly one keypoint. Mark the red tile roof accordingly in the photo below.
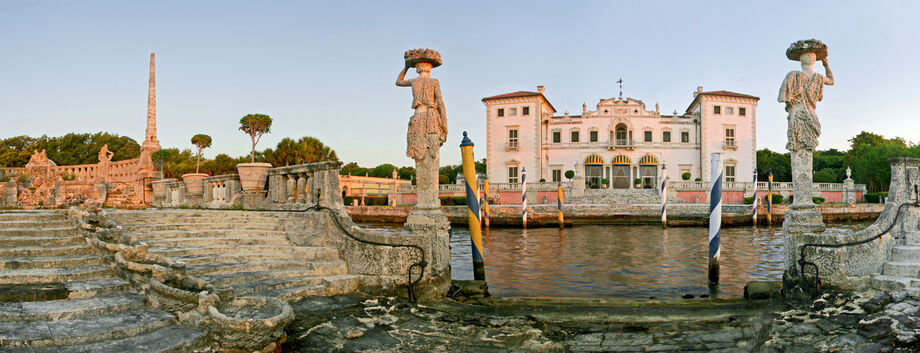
(729, 93)
(513, 95)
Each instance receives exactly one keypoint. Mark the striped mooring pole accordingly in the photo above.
(559, 197)
(472, 207)
(755, 197)
(770, 199)
(524, 195)
(485, 202)
(664, 197)
(715, 216)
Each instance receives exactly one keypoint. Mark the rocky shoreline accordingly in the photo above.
(834, 322)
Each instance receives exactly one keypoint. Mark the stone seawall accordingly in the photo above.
(678, 215)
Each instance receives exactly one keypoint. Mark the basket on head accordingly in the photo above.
(415, 56)
(807, 46)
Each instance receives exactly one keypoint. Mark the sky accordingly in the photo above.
(327, 69)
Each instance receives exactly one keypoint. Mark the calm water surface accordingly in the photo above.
(618, 261)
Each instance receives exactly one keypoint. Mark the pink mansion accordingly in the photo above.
(621, 140)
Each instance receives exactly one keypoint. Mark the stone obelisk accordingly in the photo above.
(150, 144)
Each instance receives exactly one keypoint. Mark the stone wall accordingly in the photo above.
(852, 267)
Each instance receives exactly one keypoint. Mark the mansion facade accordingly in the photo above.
(620, 141)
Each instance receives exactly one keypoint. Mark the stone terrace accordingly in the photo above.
(57, 296)
(248, 251)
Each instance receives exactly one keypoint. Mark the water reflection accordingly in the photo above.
(618, 261)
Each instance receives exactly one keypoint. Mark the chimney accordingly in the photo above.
(541, 89)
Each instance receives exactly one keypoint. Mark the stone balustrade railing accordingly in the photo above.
(222, 190)
(495, 187)
(761, 185)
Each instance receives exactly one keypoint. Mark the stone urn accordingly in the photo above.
(253, 175)
(249, 324)
(194, 185)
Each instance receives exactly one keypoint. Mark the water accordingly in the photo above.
(618, 261)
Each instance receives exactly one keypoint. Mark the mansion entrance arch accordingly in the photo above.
(594, 171)
(621, 177)
(648, 171)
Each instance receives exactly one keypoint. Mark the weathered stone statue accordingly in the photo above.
(105, 155)
(427, 132)
(801, 91)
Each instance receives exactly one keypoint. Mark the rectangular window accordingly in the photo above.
(575, 136)
(685, 136)
(593, 136)
(525, 111)
(513, 112)
(717, 109)
(501, 112)
(648, 136)
(666, 136)
(729, 174)
(730, 110)
(730, 137)
(513, 175)
(512, 138)
(742, 111)
(557, 175)
(557, 136)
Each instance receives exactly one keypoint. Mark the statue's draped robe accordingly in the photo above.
(802, 91)
(428, 127)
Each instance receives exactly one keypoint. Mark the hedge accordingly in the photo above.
(817, 199)
(777, 199)
(368, 200)
(875, 197)
(453, 200)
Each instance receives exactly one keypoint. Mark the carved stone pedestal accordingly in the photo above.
(802, 216)
(254, 199)
(433, 224)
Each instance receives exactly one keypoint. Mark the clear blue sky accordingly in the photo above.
(326, 69)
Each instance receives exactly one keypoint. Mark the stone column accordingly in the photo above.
(802, 216)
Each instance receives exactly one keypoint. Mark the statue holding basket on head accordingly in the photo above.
(428, 126)
(802, 90)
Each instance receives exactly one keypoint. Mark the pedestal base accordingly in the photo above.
(254, 199)
(803, 219)
(427, 221)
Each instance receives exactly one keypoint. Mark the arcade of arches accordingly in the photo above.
(620, 172)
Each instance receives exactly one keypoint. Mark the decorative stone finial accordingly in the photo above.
(849, 172)
(466, 140)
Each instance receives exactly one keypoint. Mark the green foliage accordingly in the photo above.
(222, 164)
(480, 166)
(255, 125)
(453, 200)
(304, 150)
(697, 179)
(451, 172)
(406, 173)
(604, 181)
(637, 181)
(201, 141)
(175, 162)
(368, 200)
(443, 179)
(685, 176)
(70, 149)
(569, 174)
(777, 199)
(352, 168)
(868, 156)
(875, 197)
(749, 200)
(4, 178)
(778, 163)
(817, 199)
(542, 180)
(68, 176)
(383, 171)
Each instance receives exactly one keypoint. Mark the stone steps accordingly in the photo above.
(54, 275)
(44, 240)
(894, 283)
(912, 239)
(255, 276)
(225, 268)
(57, 296)
(302, 253)
(170, 339)
(902, 269)
(36, 231)
(905, 253)
(197, 225)
(13, 263)
(239, 241)
(70, 309)
(166, 234)
(83, 331)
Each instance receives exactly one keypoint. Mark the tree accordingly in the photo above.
(255, 125)
(223, 164)
(305, 150)
(481, 166)
(778, 163)
(352, 168)
(383, 171)
(569, 174)
(406, 173)
(201, 141)
(175, 162)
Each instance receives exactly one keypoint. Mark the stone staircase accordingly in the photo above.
(57, 296)
(246, 250)
(620, 197)
(902, 271)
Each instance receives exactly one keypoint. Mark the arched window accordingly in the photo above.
(621, 135)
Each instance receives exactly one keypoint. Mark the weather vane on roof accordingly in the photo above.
(620, 83)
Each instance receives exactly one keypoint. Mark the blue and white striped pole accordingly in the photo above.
(755, 197)
(715, 216)
(524, 195)
(664, 197)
